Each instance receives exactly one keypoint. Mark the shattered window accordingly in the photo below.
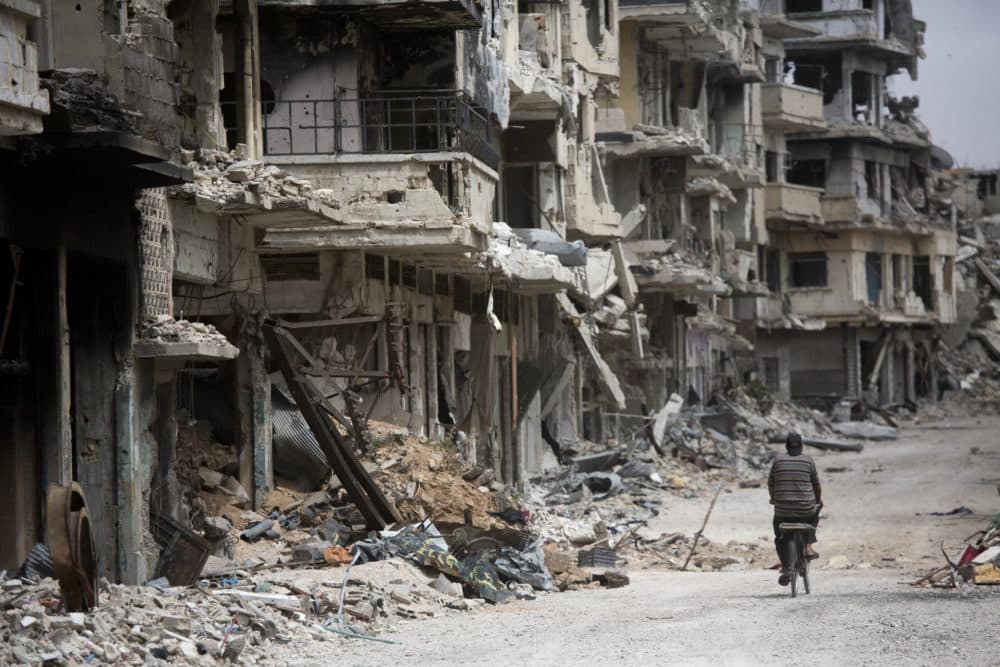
(807, 269)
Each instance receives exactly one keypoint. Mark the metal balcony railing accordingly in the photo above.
(385, 123)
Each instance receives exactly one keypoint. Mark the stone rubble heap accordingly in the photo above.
(223, 177)
(166, 329)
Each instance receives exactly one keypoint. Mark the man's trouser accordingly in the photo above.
(779, 542)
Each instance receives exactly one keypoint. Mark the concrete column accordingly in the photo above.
(253, 393)
(134, 467)
(911, 375)
(55, 425)
(165, 432)
(431, 375)
(417, 379)
(852, 362)
(248, 75)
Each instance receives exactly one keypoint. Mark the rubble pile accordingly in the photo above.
(223, 177)
(167, 329)
(232, 615)
(970, 366)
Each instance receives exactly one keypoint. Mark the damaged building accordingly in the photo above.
(391, 186)
(511, 225)
(862, 246)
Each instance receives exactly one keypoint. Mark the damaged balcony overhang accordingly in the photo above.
(729, 174)
(779, 26)
(262, 211)
(675, 12)
(172, 343)
(136, 161)
(449, 240)
(396, 15)
(657, 270)
(792, 322)
(673, 142)
(533, 95)
(711, 323)
(529, 271)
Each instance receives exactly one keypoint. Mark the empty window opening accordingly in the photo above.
(868, 4)
(375, 267)
(863, 97)
(772, 376)
(873, 274)
(807, 269)
(521, 195)
(872, 180)
(771, 166)
(304, 266)
(772, 269)
(922, 279)
(987, 186)
(823, 73)
(803, 6)
(811, 173)
(897, 272)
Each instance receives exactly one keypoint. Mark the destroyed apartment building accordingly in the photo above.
(255, 226)
(861, 258)
(375, 196)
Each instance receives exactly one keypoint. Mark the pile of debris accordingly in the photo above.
(229, 178)
(969, 354)
(978, 564)
(232, 614)
(165, 335)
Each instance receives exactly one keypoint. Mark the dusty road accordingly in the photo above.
(865, 614)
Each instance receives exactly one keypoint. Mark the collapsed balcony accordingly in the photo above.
(407, 122)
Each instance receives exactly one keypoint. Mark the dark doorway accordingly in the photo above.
(922, 284)
(521, 195)
(873, 275)
(96, 307)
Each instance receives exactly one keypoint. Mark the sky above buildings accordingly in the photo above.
(959, 82)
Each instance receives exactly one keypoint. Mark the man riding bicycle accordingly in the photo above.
(796, 495)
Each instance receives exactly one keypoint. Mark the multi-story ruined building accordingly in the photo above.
(365, 163)
(510, 224)
(859, 281)
(684, 147)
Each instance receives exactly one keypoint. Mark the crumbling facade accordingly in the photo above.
(858, 282)
(514, 226)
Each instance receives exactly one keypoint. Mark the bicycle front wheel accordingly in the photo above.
(805, 577)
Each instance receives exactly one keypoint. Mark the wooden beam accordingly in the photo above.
(989, 275)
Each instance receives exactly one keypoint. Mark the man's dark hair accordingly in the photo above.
(793, 441)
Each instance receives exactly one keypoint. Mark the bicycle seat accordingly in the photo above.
(795, 527)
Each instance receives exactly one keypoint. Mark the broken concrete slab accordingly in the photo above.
(866, 430)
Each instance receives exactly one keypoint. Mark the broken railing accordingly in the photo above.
(325, 421)
(387, 122)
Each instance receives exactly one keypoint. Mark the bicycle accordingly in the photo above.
(794, 536)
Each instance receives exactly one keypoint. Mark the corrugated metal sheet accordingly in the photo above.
(297, 454)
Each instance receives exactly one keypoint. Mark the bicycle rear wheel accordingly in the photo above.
(792, 561)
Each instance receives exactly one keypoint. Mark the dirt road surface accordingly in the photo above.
(877, 527)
